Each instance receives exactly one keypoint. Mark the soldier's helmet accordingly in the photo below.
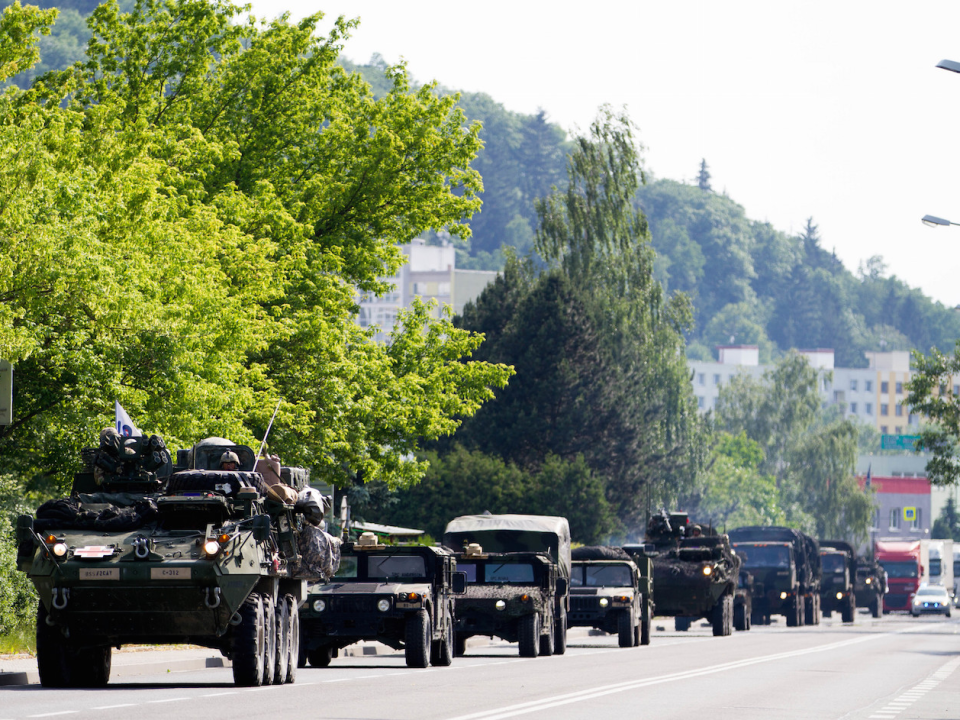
(229, 457)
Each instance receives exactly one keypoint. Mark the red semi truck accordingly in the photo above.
(901, 561)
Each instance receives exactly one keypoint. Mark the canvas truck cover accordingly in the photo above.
(513, 533)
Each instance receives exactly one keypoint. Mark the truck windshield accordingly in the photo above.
(832, 563)
(348, 567)
(396, 566)
(764, 556)
(900, 569)
(508, 573)
(934, 566)
(608, 576)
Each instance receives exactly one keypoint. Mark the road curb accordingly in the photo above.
(32, 677)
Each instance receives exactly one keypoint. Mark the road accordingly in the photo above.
(889, 669)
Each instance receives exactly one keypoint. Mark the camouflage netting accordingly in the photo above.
(600, 552)
(319, 554)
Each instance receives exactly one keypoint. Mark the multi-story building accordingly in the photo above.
(903, 498)
(429, 273)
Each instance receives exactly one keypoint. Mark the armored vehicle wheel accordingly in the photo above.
(795, 613)
(92, 667)
(546, 641)
(62, 665)
(248, 647)
(293, 638)
(848, 612)
(320, 657)
(441, 652)
(722, 619)
(529, 633)
(459, 645)
(756, 618)
(681, 624)
(282, 632)
(625, 629)
(876, 607)
(417, 646)
(811, 611)
(645, 624)
(740, 619)
(560, 634)
(269, 640)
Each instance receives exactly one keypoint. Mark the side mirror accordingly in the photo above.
(561, 586)
(458, 583)
(261, 528)
(24, 531)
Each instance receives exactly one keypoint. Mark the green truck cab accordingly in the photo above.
(399, 595)
(606, 594)
(838, 562)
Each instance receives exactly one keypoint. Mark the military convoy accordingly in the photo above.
(871, 586)
(147, 551)
(606, 594)
(838, 561)
(518, 580)
(400, 595)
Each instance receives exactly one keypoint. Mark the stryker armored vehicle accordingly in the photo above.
(520, 570)
(871, 585)
(838, 563)
(605, 594)
(400, 595)
(785, 564)
(147, 552)
(695, 572)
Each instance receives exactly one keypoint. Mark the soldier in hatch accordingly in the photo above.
(229, 461)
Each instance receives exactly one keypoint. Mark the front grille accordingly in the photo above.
(353, 603)
(584, 604)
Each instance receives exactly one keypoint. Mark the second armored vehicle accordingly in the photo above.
(606, 594)
(871, 585)
(400, 595)
(838, 562)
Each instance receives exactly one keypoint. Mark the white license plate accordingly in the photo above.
(169, 573)
(99, 573)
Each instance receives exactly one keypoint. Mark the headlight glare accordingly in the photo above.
(319, 605)
(60, 549)
(211, 547)
(783, 596)
(604, 602)
(707, 570)
(839, 596)
(383, 605)
(501, 605)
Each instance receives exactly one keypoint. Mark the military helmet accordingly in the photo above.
(229, 457)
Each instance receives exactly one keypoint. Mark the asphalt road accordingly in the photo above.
(888, 669)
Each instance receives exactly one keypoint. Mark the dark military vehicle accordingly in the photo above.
(694, 570)
(400, 595)
(518, 576)
(871, 586)
(838, 563)
(785, 564)
(605, 593)
(147, 552)
(743, 601)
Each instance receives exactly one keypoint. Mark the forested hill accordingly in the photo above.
(750, 283)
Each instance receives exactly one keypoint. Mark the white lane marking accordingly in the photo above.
(62, 712)
(167, 700)
(600, 691)
(113, 707)
(220, 694)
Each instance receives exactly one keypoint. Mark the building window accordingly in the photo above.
(895, 519)
(884, 409)
(897, 430)
(911, 420)
(876, 520)
(956, 389)
(884, 387)
(701, 379)
(917, 522)
(868, 385)
(868, 408)
(716, 379)
(853, 385)
(443, 288)
(899, 410)
(883, 429)
(899, 388)
(853, 408)
(826, 385)
(699, 401)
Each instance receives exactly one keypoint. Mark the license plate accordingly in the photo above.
(169, 573)
(99, 573)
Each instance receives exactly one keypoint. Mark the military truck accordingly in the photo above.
(400, 595)
(147, 552)
(871, 585)
(527, 546)
(838, 562)
(785, 564)
(605, 594)
(695, 572)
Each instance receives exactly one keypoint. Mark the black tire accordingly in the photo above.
(681, 624)
(722, 616)
(794, 613)
(92, 667)
(269, 640)
(645, 627)
(849, 611)
(248, 644)
(625, 629)
(529, 635)
(756, 618)
(293, 638)
(282, 630)
(546, 640)
(459, 645)
(560, 633)
(320, 657)
(441, 652)
(876, 607)
(418, 634)
(52, 653)
(810, 614)
(740, 618)
(749, 619)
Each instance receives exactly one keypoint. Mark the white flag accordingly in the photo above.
(125, 425)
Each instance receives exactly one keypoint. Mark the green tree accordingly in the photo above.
(703, 177)
(947, 526)
(930, 395)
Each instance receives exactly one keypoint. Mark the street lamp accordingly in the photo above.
(933, 221)
(949, 65)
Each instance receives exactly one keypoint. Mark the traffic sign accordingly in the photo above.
(898, 442)
(909, 514)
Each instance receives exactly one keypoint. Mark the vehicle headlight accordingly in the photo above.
(783, 596)
(211, 547)
(501, 605)
(60, 549)
(383, 605)
(707, 570)
(604, 602)
(839, 596)
(319, 605)
(869, 580)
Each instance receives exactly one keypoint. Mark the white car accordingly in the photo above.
(930, 599)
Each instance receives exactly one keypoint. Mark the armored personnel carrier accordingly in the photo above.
(695, 572)
(606, 594)
(871, 586)
(838, 562)
(145, 551)
(518, 576)
(400, 595)
(785, 564)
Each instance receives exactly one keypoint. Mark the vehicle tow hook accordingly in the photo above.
(141, 548)
(60, 598)
(216, 598)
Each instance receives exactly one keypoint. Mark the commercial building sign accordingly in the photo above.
(6, 393)
(898, 442)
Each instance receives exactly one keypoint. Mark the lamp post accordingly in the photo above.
(933, 221)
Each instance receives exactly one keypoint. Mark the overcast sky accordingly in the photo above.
(833, 110)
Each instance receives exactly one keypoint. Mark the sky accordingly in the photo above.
(831, 110)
